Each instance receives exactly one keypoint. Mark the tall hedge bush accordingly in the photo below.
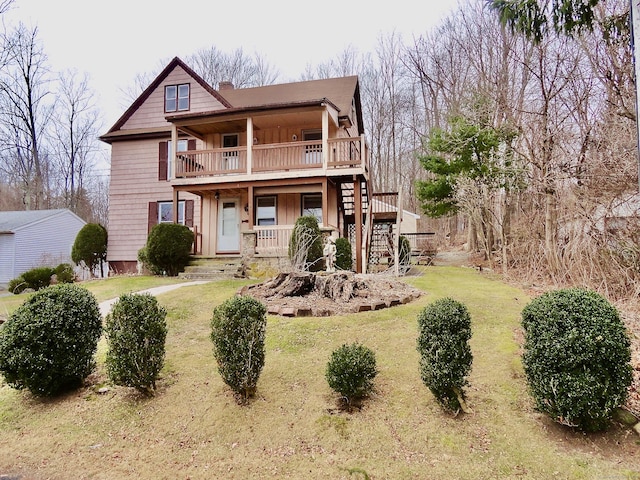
(90, 246)
(238, 330)
(344, 260)
(136, 331)
(169, 247)
(445, 355)
(48, 344)
(576, 357)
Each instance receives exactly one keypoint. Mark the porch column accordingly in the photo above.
(357, 194)
(250, 204)
(325, 201)
(325, 138)
(173, 153)
(249, 145)
(176, 203)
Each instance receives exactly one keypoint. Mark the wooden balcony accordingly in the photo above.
(343, 153)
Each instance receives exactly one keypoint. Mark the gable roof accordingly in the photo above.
(339, 92)
(176, 62)
(13, 221)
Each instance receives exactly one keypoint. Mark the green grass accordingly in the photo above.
(194, 429)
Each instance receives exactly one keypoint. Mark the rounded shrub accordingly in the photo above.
(238, 333)
(169, 247)
(35, 279)
(136, 332)
(64, 273)
(90, 246)
(344, 260)
(350, 372)
(48, 344)
(576, 357)
(445, 356)
(305, 244)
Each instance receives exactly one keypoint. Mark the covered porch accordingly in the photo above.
(256, 218)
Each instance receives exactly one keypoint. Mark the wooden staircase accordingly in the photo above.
(213, 268)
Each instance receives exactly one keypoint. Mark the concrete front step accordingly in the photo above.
(212, 269)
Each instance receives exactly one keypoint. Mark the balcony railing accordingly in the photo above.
(276, 157)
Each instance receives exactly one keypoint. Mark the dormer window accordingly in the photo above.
(176, 98)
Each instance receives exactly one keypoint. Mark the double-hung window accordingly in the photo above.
(176, 98)
(165, 212)
(312, 205)
(266, 211)
(265, 216)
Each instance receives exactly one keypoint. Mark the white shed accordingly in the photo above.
(36, 238)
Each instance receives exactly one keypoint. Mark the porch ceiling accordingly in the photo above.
(291, 119)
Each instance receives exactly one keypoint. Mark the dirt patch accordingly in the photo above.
(309, 294)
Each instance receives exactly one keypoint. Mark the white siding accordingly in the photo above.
(7, 256)
(46, 243)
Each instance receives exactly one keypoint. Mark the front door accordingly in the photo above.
(228, 225)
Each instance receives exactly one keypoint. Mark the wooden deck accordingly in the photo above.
(343, 153)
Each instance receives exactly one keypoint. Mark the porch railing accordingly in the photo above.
(273, 239)
(342, 153)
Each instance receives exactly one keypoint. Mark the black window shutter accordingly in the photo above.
(153, 215)
(191, 144)
(163, 157)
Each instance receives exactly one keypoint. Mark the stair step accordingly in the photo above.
(212, 268)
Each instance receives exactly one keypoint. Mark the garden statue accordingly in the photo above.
(329, 253)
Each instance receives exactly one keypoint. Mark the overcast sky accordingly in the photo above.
(115, 40)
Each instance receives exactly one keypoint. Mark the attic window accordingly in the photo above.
(176, 98)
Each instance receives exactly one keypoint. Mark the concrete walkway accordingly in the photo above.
(105, 307)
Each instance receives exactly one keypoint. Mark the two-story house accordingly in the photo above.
(238, 166)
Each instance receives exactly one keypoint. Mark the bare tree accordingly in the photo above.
(74, 134)
(24, 113)
(215, 66)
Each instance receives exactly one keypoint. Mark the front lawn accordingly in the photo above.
(194, 429)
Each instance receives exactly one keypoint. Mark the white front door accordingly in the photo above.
(228, 225)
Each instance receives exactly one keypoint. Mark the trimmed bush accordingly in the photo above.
(576, 357)
(48, 344)
(36, 278)
(143, 258)
(64, 273)
(136, 332)
(350, 372)
(169, 248)
(238, 332)
(344, 260)
(445, 356)
(305, 245)
(90, 246)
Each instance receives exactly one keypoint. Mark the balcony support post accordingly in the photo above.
(325, 201)
(173, 153)
(325, 138)
(249, 145)
(176, 203)
(357, 199)
(250, 203)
